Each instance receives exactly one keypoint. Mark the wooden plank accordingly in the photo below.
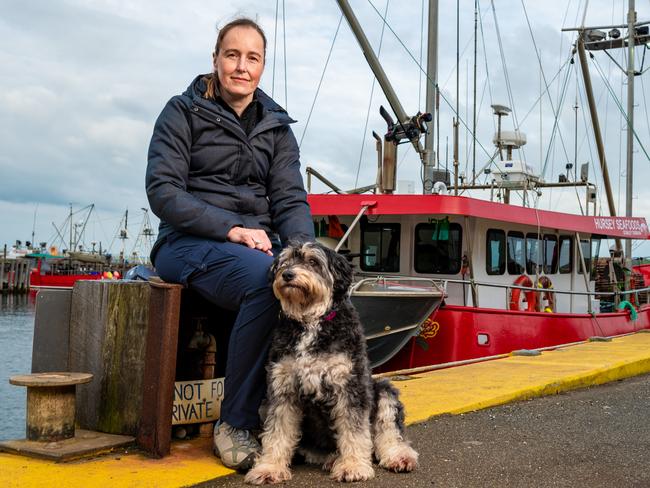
(108, 331)
(154, 433)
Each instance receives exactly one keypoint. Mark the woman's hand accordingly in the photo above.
(253, 238)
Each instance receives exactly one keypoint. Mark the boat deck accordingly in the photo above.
(448, 391)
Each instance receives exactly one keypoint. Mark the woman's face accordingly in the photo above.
(239, 63)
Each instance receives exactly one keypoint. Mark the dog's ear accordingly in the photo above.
(274, 268)
(342, 273)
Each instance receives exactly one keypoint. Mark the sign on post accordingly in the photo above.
(197, 401)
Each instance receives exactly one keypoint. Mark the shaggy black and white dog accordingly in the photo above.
(322, 400)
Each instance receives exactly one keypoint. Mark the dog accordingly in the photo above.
(322, 401)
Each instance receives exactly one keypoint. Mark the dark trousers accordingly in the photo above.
(233, 277)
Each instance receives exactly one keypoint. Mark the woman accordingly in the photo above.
(224, 178)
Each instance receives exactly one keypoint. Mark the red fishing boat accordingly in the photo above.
(513, 277)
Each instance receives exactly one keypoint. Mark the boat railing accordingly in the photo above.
(641, 295)
(401, 285)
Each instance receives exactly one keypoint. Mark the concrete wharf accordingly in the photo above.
(427, 396)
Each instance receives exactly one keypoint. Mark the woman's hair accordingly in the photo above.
(212, 80)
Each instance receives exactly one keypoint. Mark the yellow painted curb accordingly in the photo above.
(487, 384)
(190, 463)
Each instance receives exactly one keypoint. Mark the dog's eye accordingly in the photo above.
(313, 262)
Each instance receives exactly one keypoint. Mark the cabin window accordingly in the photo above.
(516, 254)
(380, 245)
(438, 248)
(565, 254)
(590, 251)
(534, 255)
(550, 254)
(495, 261)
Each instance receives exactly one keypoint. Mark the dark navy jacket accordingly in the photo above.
(205, 175)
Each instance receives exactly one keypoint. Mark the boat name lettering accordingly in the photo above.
(627, 226)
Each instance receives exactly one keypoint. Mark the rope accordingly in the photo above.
(320, 82)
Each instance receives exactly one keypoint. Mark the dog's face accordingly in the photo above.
(308, 279)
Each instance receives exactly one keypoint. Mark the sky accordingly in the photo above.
(82, 82)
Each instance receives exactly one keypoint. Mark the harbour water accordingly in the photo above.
(16, 333)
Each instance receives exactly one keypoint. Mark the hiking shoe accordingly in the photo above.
(237, 448)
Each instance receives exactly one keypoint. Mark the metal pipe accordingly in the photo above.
(537, 185)
(312, 171)
(583, 267)
(596, 126)
(631, 34)
(555, 290)
(456, 124)
(380, 158)
(471, 264)
(604, 27)
(352, 226)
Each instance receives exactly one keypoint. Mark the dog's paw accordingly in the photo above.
(267, 474)
(328, 463)
(401, 459)
(347, 470)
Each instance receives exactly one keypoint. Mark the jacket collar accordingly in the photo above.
(270, 109)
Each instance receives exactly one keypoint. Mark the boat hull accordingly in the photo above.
(38, 281)
(457, 333)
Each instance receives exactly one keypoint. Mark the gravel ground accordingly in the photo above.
(596, 437)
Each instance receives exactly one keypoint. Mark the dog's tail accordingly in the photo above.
(387, 419)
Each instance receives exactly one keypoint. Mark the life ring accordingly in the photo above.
(515, 295)
(545, 283)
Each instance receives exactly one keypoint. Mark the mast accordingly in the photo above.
(432, 83)
(631, 20)
(474, 104)
(596, 126)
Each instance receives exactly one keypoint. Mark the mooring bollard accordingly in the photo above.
(51, 404)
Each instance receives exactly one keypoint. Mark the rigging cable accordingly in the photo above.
(284, 37)
(485, 57)
(507, 77)
(372, 92)
(556, 113)
(320, 82)
(275, 45)
(429, 80)
(555, 122)
(620, 107)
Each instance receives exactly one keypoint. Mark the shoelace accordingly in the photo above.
(243, 436)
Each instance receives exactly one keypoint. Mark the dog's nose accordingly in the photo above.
(288, 275)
